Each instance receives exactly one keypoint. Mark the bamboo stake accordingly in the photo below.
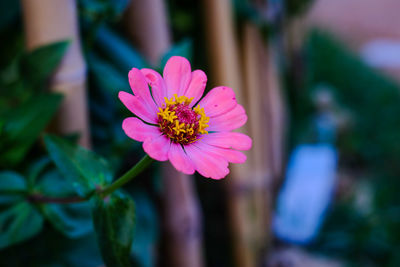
(146, 21)
(224, 63)
(255, 62)
(147, 26)
(183, 220)
(48, 21)
(267, 120)
(250, 185)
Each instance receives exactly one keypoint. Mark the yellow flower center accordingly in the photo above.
(181, 123)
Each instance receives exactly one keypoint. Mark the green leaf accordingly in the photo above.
(36, 169)
(146, 230)
(183, 49)
(73, 220)
(52, 183)
(82, 252)
(11, 182)
(12, 185)
(84, 169)
(23, 125)
(37, 65)
(113, 220)
(18, 223)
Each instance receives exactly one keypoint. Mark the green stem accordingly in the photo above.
(129, 175)
(132, 173)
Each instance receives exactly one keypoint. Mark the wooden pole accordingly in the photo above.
(223, 57)
(146, 21)
(267, 123)
(256, 82)
(182, 220)
(48, 21)
(255, 69)
(147, 26)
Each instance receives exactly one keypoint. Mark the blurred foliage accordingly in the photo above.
(96, 11)
(363, 225)
(297, 7)
(18, 222)
(25, 109)
(22, 126)
(183, 49)
(118, 51)
(9, 17)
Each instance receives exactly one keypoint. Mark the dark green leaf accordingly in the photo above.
(50, 249)
(18, 223)
(73, 220)
(146, 230)
(37, 66)
(11, 182)
(12, 187)
(183, 49)
(37, 168)
(82, 252)
(23, 125)
(113, 220)
(51, 183)
(83, 168)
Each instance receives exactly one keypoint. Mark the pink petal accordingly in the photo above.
(231, 120)
(218, 101)
(206, 163)
(177, 75)
(140, 88)
(196, 86)
(230, 155)
(179, 159)
(158, 147)
(233, 140)
(138, 130)
(158, 87)
(138, 107)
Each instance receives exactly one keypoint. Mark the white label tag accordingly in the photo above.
(306, 193)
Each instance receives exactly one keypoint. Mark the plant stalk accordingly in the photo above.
(129, 175)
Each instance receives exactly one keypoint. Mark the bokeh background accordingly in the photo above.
(320, 83)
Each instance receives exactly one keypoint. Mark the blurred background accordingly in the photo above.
(320, 83)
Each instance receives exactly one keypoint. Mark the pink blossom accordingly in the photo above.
(175, 124)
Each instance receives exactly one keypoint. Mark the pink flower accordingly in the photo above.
(193, 137)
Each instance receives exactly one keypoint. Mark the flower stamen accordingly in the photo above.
(181, 123)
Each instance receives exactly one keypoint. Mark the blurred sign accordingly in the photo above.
(382, 53)
(306, 193)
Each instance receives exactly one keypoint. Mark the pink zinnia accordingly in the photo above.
(172, 127)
